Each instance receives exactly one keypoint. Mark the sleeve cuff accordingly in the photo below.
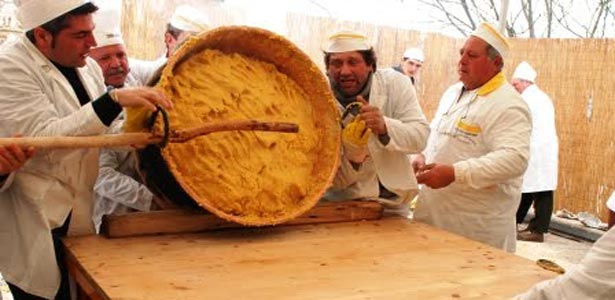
(106, 109)
(460, 169)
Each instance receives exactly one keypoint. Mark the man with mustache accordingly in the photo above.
(383, 123)
(478, 148)
(118, 188)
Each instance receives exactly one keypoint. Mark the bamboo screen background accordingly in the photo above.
(576, 73)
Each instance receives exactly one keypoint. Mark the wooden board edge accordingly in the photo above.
(185, 221)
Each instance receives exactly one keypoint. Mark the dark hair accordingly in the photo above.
(173, 31)
(493, 53)
(369, 56)
(58, 24)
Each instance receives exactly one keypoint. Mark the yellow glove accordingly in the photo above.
(356, 132)
(354, 139)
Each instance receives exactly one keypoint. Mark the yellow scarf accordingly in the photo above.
(493, 84)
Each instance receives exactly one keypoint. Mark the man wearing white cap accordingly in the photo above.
(185, 22)
(383, 123)
(118, 188)
(110, 52)
(540, 179)
(52, 88)
(411, 64)
(477, 150)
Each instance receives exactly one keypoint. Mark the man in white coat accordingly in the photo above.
(389, 124)
(540, 179)
(411, 63)
(118, 188)
(52, 88)
(477, 150)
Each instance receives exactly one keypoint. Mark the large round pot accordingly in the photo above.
(248, 177)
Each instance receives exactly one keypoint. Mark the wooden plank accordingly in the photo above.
(390, 259)
(183, 221)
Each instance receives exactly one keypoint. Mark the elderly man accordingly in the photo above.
(540, 179)
(383, 123)
(118, 188)
(110, 52)
(477, 150)
(185, 22)
(411, 64)
(52, 88)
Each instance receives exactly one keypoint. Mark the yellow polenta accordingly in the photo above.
(249, 174)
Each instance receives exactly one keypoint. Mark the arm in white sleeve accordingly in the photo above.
(27, 109)
(593, 278)
(507, 139)
(408, 128)
(114, 186)
(142, 70)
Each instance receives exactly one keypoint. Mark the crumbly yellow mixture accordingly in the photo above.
(250, 174)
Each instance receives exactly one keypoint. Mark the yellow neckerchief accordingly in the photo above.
(493, 84)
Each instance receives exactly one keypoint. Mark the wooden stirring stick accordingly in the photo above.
(146, 138)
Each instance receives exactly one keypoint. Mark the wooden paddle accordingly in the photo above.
(146, 138)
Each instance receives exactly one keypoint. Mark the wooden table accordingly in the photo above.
(392, 258)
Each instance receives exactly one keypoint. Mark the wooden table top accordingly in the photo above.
(392, 258)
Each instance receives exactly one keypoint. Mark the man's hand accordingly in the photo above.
(141, 97)
(354, 139)
(418, 162)
(372, 116)
(12, 158)
(436, 176)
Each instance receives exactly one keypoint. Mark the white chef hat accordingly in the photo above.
(493, 37)
(525, 71)
(34, 13)
(414, 54)
(107, 31)
(611, 203)
(345, 41)
(188, 18)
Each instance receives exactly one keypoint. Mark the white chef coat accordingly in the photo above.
(485, 137)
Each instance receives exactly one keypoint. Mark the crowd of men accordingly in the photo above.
(69, 75)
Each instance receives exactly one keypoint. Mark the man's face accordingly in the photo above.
(349, 71)
(474, 66)
(172, 43)
(411, 67)
(518, 85)
(113, 61)
(71, 46)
